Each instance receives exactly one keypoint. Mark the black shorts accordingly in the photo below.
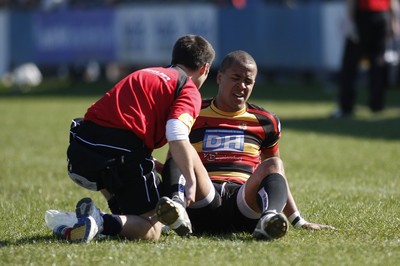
(225, 219)
(116, 160)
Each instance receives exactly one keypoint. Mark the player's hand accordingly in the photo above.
(395, 29)
(313, 226)
(190, 191)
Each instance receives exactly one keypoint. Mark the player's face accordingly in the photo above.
(235, 86)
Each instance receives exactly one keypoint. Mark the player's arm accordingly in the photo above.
(394, 17)
(182, 153)
(185, 157)
(352, 28)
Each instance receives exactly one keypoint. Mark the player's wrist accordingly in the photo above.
(296, 220)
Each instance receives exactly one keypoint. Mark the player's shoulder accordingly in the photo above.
(254, 108)
(166, 73)
(262, 114)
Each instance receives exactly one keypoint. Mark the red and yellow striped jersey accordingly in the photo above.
(229, 144)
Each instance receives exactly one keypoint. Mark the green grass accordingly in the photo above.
(345, 173)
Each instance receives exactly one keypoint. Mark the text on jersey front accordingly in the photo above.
(223, 140)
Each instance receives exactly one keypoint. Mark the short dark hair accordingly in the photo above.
(192, 51)
(236, 56)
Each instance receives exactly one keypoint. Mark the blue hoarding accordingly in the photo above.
(63, 36)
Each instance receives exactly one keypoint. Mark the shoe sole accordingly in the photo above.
(167, 214)
(276, 227)
(83, 207)
(85, 232)
(166, 211)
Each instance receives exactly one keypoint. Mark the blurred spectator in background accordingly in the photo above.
(371, 24)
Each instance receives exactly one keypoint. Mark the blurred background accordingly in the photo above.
(91, 40)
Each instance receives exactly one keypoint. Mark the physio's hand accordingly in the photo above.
(190, 191)
(183, 154)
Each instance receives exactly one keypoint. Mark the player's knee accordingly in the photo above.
(273, 165)
(212, 200)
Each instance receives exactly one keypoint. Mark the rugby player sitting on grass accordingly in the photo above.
(238, 144)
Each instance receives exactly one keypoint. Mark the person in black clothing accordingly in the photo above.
(371, 24)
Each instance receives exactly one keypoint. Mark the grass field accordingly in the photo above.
(345, 173)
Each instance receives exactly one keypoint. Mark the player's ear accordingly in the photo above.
(204, 70)
(219, 76)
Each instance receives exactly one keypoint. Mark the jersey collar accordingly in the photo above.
(218, 111)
